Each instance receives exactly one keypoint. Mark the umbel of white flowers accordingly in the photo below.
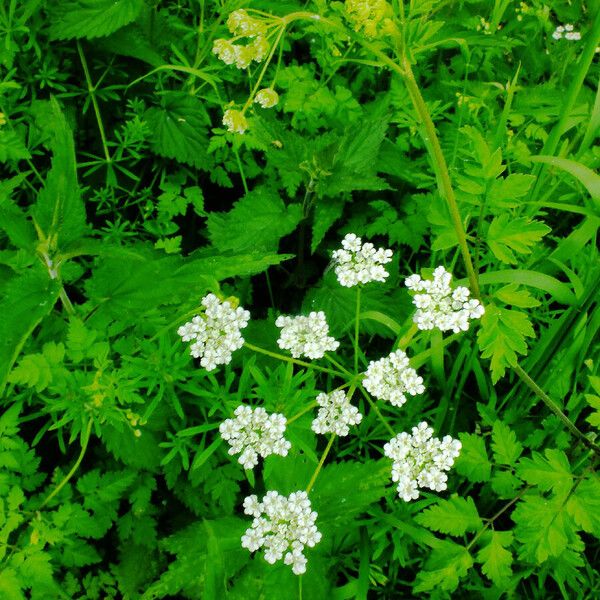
(357, 263)
(336, 414)
(391, 378)
(438, 305)
(254, 433)
(283, 526)
(306, 336)
(420, 460)
(216, 333)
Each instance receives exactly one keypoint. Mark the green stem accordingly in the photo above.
(441, 168)
(356, 324)
(92, 93)
(338, 365)
(291, 360)
(85, 438)
(320, 465)
(302, 412)
(539, 392)
(376, 410)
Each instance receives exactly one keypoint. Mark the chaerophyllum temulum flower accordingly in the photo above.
(306, 335)
(439, 306)
(421, 460)
(285, 525)
(215, 333)
(253, 433)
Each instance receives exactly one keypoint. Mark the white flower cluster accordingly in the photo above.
(254, 433)
(566, 32)
(420, 460)
(283, 526)
(216, 333)
(357, 263)
(440, 306)
(306, 336)
(391, 378)
(336, 414)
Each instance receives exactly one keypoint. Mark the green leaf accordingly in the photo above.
(179, 129)
(59, 211)
(90, 18)
(505, 446)
(12, 146)
(454, 516)
(584, 505)
(552, 472)
(502, 336)
(504, 192)
(473, 461)
(495, 558)
(513, 295)
(543, 527)
(327, 212)
(507, 235)
(27, 299)
(257, 221)
(446, 565)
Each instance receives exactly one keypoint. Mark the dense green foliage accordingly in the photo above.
(124, 200)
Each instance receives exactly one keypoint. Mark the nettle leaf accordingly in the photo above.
(552, 472)
(327, 212)
(502, 336)
(257, 221)
(179, 129)
(454, 516)
(59, 211)
(473, 461)
(27, 298)
(90, 18)
(495, 558)
(507, 235)
(505, 446)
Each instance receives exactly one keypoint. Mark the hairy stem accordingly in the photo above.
(539, 392)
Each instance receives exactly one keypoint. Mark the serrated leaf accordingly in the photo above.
(447, 564)
(495, 558)
(454, 516)
(543, 527)
(473, 461)
(507, 235)
(584, 505)
(12, 146)
(552, 472)
(257, 221)
(502, 336)
(179, 129)
(28, 298)
(505, 446)
(327, 212)
(515, 296)
(90, 18)
(504, 192)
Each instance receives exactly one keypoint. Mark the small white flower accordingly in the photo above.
(391, 378)
(242, 24)
(336, 414)
(283, 526)
(254, 433)
(567, 32)
(216, 333)
(306, 336)
(438, 305)
(235, 121)
(420, 460)
(267, 97)
(357, 263)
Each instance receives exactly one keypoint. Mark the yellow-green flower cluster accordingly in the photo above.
(370, 16)
(267, 98)
(242, 25)
(235, 121)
